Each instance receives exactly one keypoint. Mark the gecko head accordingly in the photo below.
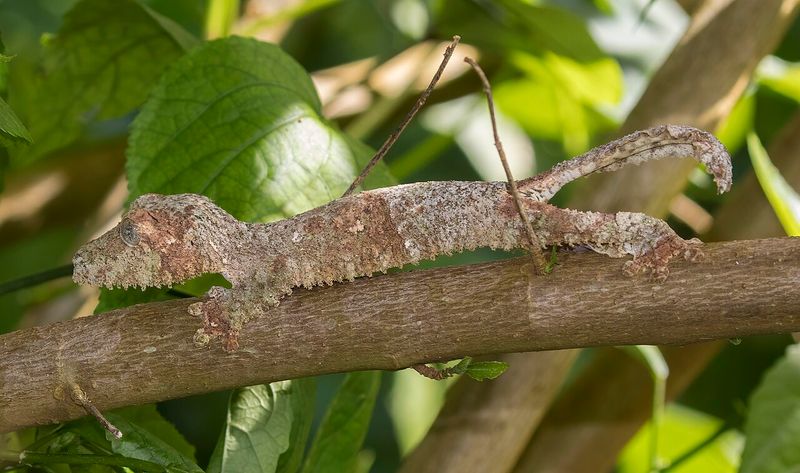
(162, 240)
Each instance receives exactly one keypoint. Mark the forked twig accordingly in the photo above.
(409, 116)
(539, 262)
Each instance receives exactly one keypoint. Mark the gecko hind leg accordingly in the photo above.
(651, 242)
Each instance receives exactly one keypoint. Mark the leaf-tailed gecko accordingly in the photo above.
(167, 239)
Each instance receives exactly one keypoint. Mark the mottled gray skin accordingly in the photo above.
(167, 239)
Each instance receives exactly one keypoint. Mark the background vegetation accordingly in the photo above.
(271, 108)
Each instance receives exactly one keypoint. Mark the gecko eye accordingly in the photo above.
(128, 232)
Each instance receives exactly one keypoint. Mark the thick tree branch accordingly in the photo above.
(145, 353)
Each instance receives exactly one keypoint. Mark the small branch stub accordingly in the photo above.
(80, 398)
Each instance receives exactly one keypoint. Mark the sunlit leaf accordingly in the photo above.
(733, 130)
(341, 434)
(773, 419)
(783, 199)
(238, 120)
(560, 98)
(781, 77)
(701, 443)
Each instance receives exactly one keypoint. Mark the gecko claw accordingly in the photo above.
(216, 321)
(655, 262)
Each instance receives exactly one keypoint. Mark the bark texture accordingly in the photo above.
(144, 353)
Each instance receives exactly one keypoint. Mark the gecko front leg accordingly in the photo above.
(225, 311)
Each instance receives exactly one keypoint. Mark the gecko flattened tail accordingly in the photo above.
(660, 142)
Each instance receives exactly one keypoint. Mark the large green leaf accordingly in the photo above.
(783, 199)
(100, 65)
(239, 121)
(341, 434)
(267, 428)
(773, 421)
(140, 443)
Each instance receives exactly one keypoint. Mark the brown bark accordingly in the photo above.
(145, 353)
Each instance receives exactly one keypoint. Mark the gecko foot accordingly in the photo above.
(215, 310)
(656, 261)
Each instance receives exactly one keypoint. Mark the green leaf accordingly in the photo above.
(267, 428)
(699, 441)
(12, 131)
(773, 421)
(568, 97)
(100, 65)
(481, 370)
(341, 434)
(733, 130)
(781, 77)
(652, 358)
(142, 444)
(239, 121)
(783, 199)
(148, 418)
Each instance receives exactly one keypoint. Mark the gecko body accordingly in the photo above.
(166, 239)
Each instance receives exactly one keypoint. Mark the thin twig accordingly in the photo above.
(539, 262)
(410, 116)
(35, 279)
(82, 400)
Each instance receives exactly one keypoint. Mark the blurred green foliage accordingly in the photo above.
(241, 121)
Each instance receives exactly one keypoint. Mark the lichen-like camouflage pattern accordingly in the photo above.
(166, 239)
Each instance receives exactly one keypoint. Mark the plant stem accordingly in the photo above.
(31, 458)
(35, 279)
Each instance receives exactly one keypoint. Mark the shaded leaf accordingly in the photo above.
(341, 434)
(12, 131)
(266, 429)
(100, 65)
(138, 442)
(773, 421)
(783, 199)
